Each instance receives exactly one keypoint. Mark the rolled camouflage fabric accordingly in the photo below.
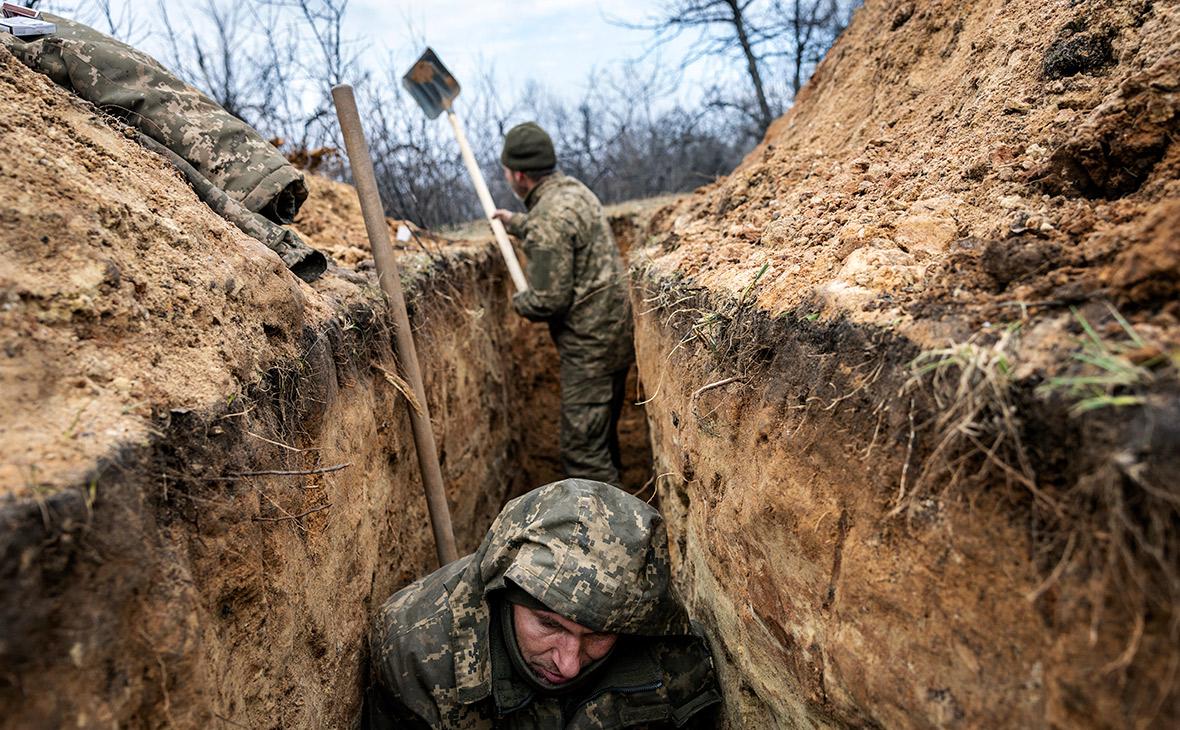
(133, 86)
(303, 261)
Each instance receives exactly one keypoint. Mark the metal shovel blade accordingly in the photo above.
(431, 84)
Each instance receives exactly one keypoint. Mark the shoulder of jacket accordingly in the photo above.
(423, 605)
(566, 203)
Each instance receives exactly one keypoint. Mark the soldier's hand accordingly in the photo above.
(504, 216)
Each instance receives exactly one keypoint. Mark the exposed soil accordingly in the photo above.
(913, 151)
(889, 502)
(155, 360)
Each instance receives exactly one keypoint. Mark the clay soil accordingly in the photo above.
(208, 479)
(937, 163)
(887, 502)
(990, 189)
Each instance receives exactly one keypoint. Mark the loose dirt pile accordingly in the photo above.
(951, 162)
(913, 377)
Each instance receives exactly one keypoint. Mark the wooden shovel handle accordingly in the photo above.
(374, 214)
(489, 207)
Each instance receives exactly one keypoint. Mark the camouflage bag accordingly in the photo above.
(133, 86)
(303, 261)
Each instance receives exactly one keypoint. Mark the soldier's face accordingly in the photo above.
(518, 182)
(554, 647)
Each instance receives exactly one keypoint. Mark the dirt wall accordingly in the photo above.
(903, 486)
(827, 608)
(208, 477)
(172, 586)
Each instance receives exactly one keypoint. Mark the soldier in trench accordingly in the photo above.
(577, 285)
(563, 618)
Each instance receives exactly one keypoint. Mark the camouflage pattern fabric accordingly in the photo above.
(577, 284)
(590, 552)
(133, 86)
(589, 431)
(303, 261)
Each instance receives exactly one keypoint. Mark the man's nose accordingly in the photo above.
(565, 657)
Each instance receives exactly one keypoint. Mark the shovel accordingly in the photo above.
(391, 283)
(435, 89)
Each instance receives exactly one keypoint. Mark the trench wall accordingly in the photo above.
(172, 584)
(778, 459)
(170, 587)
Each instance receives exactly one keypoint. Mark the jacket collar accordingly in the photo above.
(541, 188)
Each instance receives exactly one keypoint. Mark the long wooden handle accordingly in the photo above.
(489, 207)
(387, 274)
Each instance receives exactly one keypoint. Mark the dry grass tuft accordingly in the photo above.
(975, 428)
(1111, 522)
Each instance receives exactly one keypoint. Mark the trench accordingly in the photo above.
(223, 573)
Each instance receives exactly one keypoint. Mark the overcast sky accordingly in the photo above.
(556, 42)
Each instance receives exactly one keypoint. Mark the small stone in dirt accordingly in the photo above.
(112, 276)
(904, 13)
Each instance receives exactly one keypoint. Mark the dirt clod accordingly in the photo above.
(1012, 258)
(1078, 52)
(1113, 152)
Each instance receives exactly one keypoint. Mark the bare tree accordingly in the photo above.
(758, 34)
(806, 29)
(323, 24)
(723, 27)
(117, 19)
(219, 62)
(273, 62)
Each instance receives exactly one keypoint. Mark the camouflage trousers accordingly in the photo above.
(590, 409)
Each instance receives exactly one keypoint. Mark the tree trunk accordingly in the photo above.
(797, 75)
(739, 24)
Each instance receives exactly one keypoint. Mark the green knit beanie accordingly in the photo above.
(528, 148)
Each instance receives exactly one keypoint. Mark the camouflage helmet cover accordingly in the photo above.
(589, 551)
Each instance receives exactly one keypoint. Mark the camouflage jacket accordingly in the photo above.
(590, 552)
(577, 282)
(133, 86)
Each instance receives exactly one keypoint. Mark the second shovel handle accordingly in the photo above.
(489, 207)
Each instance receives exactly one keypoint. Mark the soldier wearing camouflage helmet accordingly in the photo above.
(563, 618)
(577, 285)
